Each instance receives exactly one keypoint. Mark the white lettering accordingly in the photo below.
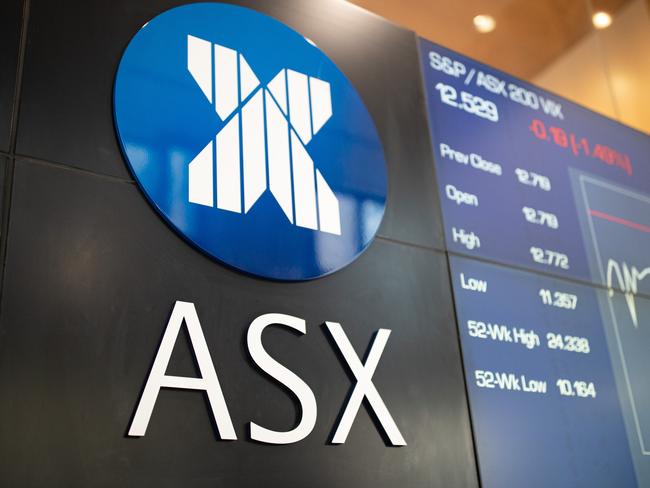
(473, 284)
(183, 312)
(469, 240)
(364, 386)
(460, 197)
(446, 65)
(285, 376)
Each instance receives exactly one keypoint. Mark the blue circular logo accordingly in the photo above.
(249, 141)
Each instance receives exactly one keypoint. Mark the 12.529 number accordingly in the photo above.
(472, 104)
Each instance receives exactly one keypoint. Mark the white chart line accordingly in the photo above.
(583, 178)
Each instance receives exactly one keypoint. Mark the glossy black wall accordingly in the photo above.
(10, 22)
(92, 273)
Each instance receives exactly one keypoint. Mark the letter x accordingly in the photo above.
(364, 386)
(262, 144)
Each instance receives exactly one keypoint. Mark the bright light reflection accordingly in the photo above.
(484, 23)
(601, 20)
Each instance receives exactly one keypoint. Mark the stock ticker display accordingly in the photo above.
(546, 209)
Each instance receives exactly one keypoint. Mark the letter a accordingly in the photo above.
(183, 311)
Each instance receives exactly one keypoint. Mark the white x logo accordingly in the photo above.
(264, 137)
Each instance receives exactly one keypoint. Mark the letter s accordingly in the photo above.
(285, 376)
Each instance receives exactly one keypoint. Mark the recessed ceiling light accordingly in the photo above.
(601, 20)
(484, 23)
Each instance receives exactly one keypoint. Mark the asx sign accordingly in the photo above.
(254, 147)
(185, 312)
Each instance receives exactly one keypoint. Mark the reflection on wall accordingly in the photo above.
(609, 70)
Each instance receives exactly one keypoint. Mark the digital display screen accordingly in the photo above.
(546, 209)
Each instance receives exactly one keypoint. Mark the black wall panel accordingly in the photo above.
(92, 273)
(4, 167)
(74, 48)
(91, 278)
(10, 22)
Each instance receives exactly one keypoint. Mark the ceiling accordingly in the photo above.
(529, 34)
